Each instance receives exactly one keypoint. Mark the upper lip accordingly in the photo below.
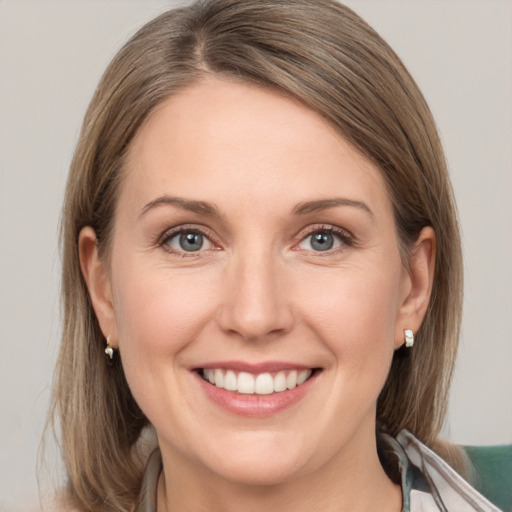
(255, 368)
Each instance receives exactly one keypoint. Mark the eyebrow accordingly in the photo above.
(204, 208)
(324, 204)
(199, 207)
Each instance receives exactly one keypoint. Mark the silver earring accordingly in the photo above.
(409, 338)
(108, 349)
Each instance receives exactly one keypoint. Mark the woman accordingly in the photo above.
(262, 268)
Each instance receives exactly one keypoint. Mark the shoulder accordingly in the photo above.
(445, 485)
(45, 507)
(58, 502)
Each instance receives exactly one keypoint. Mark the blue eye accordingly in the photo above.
(323, 240)
(188, 241)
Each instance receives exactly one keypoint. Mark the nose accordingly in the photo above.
(256, 304)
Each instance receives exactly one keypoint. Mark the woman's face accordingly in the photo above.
(254, 248)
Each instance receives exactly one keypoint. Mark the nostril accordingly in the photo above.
(255, 319)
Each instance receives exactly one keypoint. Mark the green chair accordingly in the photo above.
(493, 473)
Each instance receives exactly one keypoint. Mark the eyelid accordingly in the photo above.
(346, 238)
(170, 233)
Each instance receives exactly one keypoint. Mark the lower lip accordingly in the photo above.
(255, 405)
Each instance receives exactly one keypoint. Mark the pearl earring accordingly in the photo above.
(108, 349)
(409, 338)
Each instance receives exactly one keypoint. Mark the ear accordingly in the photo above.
(97, 279)
(417, 284)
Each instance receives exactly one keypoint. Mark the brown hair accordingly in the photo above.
(324, 55)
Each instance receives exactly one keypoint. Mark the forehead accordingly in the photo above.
(220, 140)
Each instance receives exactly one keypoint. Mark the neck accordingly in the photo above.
(345, 483)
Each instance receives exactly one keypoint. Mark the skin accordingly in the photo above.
(257, 291)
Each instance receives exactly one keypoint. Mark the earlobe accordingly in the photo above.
(95, 274)
(419, 284)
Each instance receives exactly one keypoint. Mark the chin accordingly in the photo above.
(260, 461)
(272, 470)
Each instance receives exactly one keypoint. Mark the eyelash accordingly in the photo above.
(180, 230)
(345, 238)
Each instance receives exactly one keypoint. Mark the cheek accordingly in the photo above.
(355, 312)
(158, 315)
(158, 312)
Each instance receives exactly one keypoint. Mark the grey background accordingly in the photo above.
(52, 54)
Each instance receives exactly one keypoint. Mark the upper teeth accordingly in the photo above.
(260, 384)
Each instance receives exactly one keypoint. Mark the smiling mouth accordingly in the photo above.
(256, 384)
